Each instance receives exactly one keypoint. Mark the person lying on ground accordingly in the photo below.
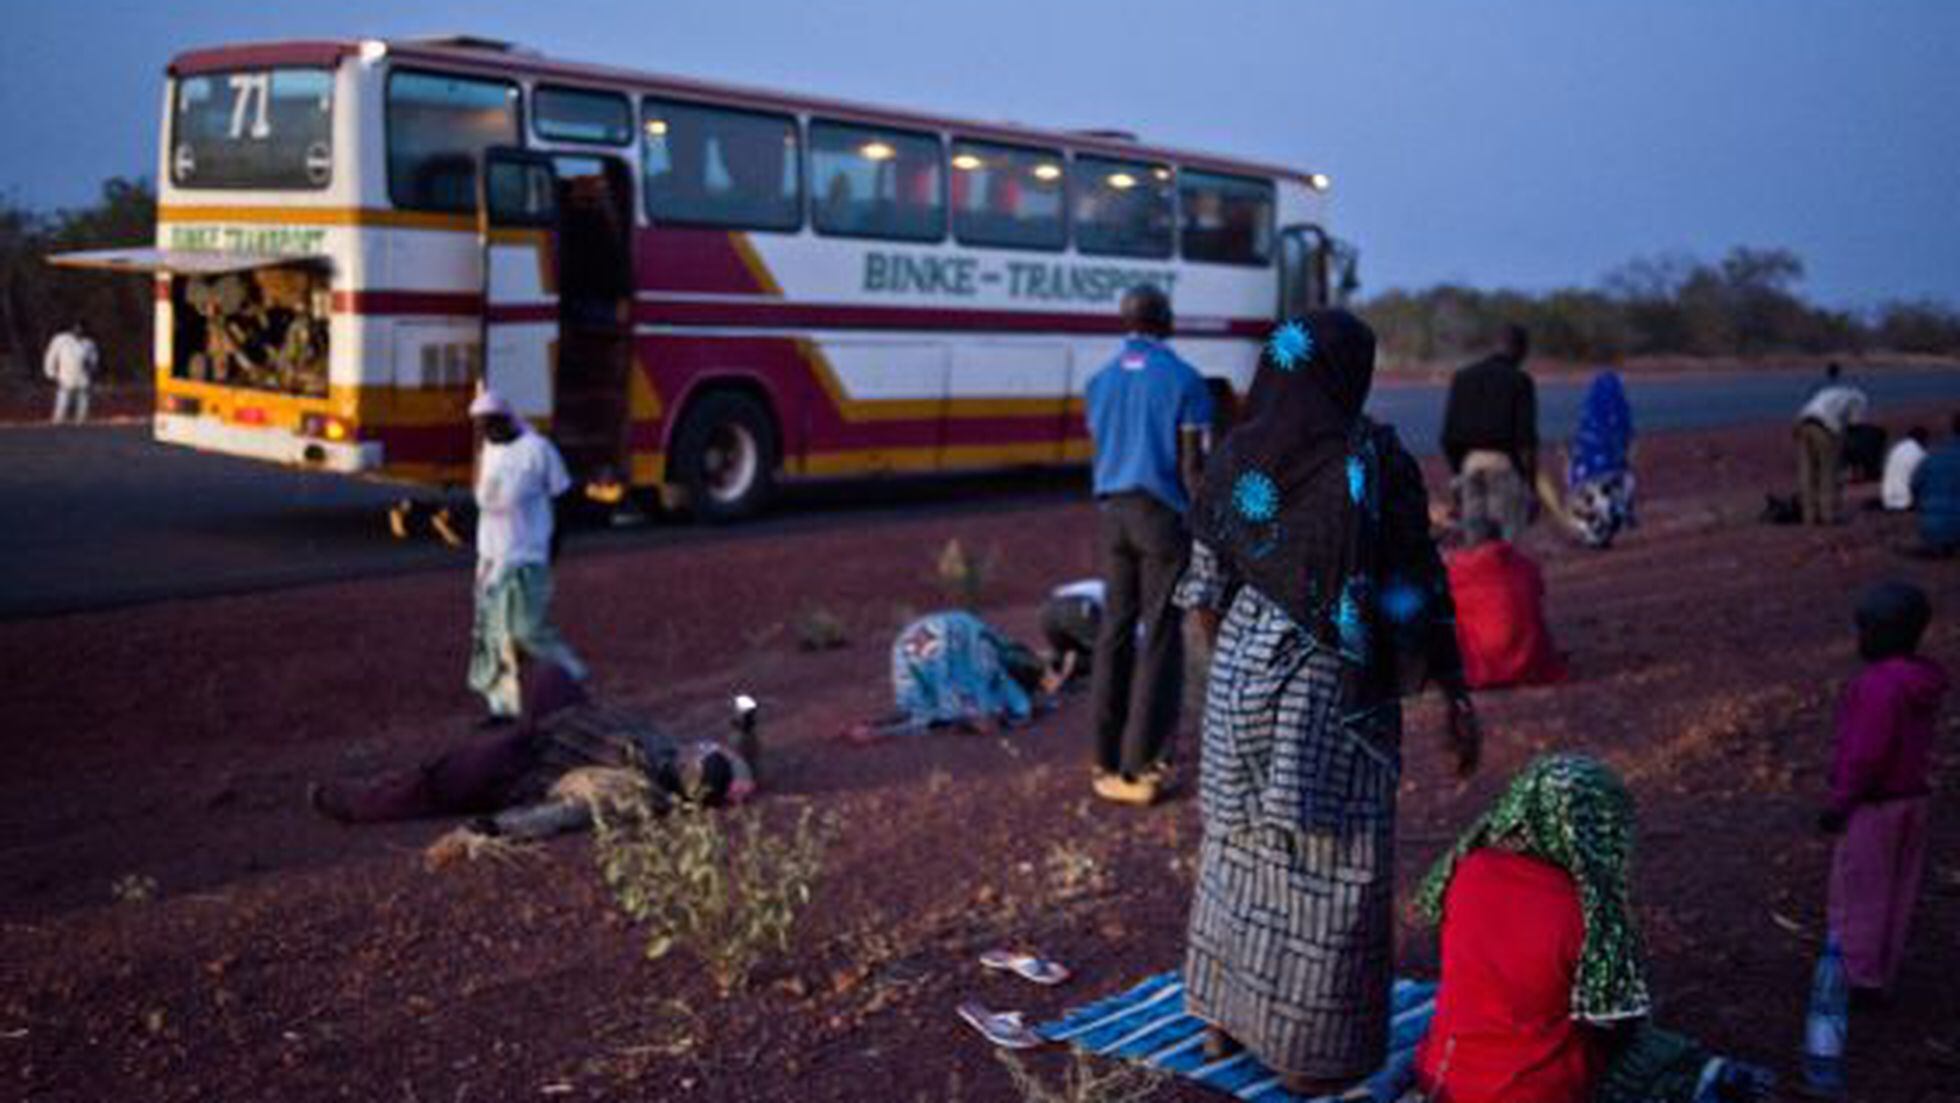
(1070, 619)
(1500, 613)
(1599, 482)
(1936, 495)
(1544, 993)
(542, 775)
(1895, 488)
(953, 670)
(1880, 788)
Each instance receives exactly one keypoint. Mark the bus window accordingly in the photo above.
(708, 166)
(1122, 208)
(437, 126)
(1008, 196)
(572, 115)
(265, 129)
(1227, 219)
(872, 182)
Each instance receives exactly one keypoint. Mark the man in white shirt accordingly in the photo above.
(70, 361)
(1821, 425)
(1895, 488)
(519, 473)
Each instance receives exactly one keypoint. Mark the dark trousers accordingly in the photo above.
(1143, 548)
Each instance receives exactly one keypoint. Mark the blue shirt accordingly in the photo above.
(1137, 404)
(1936, 495)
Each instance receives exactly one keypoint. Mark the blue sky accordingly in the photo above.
(1525, 144)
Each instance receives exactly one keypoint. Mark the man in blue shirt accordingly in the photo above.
(1148, 415)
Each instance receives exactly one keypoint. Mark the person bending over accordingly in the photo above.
(1544, 993)
(953, 670)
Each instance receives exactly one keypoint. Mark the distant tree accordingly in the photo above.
(37, 299)
(1921, 326)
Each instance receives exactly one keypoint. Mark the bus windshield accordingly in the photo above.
(267, 128)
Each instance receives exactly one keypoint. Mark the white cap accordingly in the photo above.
(489, 403)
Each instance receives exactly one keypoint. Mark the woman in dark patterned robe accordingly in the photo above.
(1313, 546)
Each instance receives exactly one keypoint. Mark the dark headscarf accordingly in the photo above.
(1282, 498)
(1892, 616)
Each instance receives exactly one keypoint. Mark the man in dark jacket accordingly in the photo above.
(1490, 435)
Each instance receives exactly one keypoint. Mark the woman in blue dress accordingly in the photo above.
(1599, 481)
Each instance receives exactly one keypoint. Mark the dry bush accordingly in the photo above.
(1081, 1083)
(962, 577)
(718, 884)
(819, 629)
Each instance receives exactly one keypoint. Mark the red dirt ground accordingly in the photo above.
(285, 957)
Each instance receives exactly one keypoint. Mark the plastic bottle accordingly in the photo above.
(1826, 1024)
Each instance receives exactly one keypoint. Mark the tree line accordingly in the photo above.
(37, 299)
(1747, 304)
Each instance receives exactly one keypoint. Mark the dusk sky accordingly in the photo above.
(1527, 144)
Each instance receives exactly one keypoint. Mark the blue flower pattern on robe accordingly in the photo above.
(1290, 346)
(1402, 602)
(1256, 497)
(1349, 624)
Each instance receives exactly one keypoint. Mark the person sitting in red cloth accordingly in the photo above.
(1500, 614)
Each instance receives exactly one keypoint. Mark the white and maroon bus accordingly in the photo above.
(689, 286)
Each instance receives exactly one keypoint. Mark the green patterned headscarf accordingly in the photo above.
(1573, 812)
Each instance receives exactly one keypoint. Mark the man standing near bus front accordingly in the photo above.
(70, 362)
(1148, 414)
(519, 475)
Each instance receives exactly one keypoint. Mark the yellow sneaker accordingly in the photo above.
(1120, 790)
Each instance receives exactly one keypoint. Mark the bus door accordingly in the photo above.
(517, 230)
(595, 317)
(1303, 270)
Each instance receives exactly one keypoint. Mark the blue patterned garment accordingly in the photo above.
(1605, 433)
(950, 667)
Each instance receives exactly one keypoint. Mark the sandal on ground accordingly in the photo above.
(1003, 1028)
(1029, 967)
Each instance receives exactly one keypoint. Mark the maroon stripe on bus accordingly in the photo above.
(523, 312)
(682, 259)
(262, 55)
(448, 443)
(788, 315)
(407, 302)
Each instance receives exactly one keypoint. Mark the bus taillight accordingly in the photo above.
(180, 404)
(324, 427)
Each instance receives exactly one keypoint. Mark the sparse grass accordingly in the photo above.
(1073, 871)
(716, 883)
(819, 629)
(1081, 1083)
(962, 577)
(133, 888)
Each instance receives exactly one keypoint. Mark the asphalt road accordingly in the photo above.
(100, 516)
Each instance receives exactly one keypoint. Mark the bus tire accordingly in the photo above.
(725, 457)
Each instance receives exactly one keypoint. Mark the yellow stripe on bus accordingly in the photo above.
(317, 216)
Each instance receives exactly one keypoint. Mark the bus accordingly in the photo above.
(696, 290)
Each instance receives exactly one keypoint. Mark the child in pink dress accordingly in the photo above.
(1879, 785)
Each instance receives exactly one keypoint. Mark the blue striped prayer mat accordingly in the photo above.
(1148, 1024)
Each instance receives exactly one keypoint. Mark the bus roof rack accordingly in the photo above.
(1107, 134)
(469, 42)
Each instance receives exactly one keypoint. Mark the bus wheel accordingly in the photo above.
(725, 457)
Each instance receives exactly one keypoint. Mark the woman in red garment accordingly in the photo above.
(1543, 997)
(1500, 614)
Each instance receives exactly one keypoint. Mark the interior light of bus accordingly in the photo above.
(966, 162)
(1320, 181)
(1122, 181)
(877, 151)
(1161, 173)
(1048, 172)
(657, 127)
